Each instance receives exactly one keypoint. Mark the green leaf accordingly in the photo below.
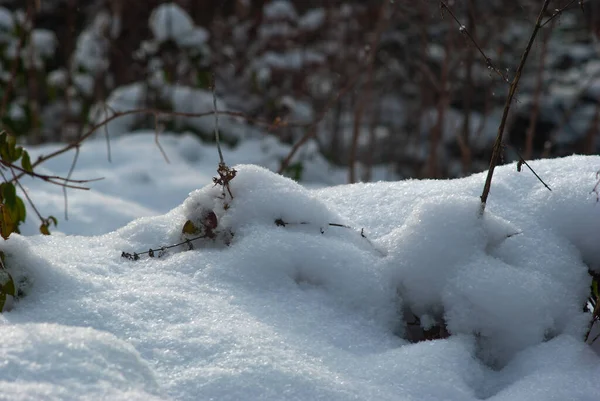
(9, 194)
(16, 153)
(5, 153)
(294, 171)
(7, 284)
(26, 162)
(11, 141)
(203, 78)
(21, 210)
(7, 226)
(53, 219)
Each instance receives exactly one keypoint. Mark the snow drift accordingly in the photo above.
(321, 306)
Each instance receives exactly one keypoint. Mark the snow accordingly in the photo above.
(280, 9)
(7, 22)
(312, 19)
(301, 309)
(44, 42)
(182, 98)
(92, 46)
(170, 21)
(290, 60)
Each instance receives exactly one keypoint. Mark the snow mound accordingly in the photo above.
(453, 266)
(52, 362)
(170, 21)
(293, 307)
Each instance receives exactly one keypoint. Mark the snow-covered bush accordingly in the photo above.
(24, 54)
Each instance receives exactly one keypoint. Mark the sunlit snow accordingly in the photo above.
(306, 310)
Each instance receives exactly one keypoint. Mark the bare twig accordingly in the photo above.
(71, 169)
(119, 114)
(382, 22)
(463, 29)
(52, 179)
(464, 140)
(108, 152)
(523, 161)
(596, 189)
(281, 223)
(15, 64)
(226, 174)
(29, 200)
(559, 11)
(536, 97)
(443, 102)
(312, 130)
(158, 129)
(497, 149)
(162, 250)
(216, 111)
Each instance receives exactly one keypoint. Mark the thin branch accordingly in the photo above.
(511, 93)
(529, 135)
(29, 200)
(119, 114)
(56, 180)
(15, 64)
(465, 31)
(106, 134)
(312, 130)
(71, 169)
(382, 22)
(523, 161)
(162, 250)
(596, 189)
(216, 111)
(559, 11)
(281, 223)
(158, 129)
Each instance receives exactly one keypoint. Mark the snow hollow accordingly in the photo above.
(303, 294)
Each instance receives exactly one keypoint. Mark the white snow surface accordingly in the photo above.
(305, 311)
(170, 21)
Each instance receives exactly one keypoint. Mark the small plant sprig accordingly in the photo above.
(497, 148)
(14, 158)
(207, 230)
(281, 223)
(596, 189)
(594, 302)
(226, 174)
(463, 29)
(522, 162)
(162, 251)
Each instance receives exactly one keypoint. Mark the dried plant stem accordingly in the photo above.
(537, 96)
(559, 11)
(116, 115)
(312, 130)
(382, 22)
(465, 31)
(15, 63)
(216, 111)
(497, 149)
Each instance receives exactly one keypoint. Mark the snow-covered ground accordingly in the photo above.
(298, 311)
